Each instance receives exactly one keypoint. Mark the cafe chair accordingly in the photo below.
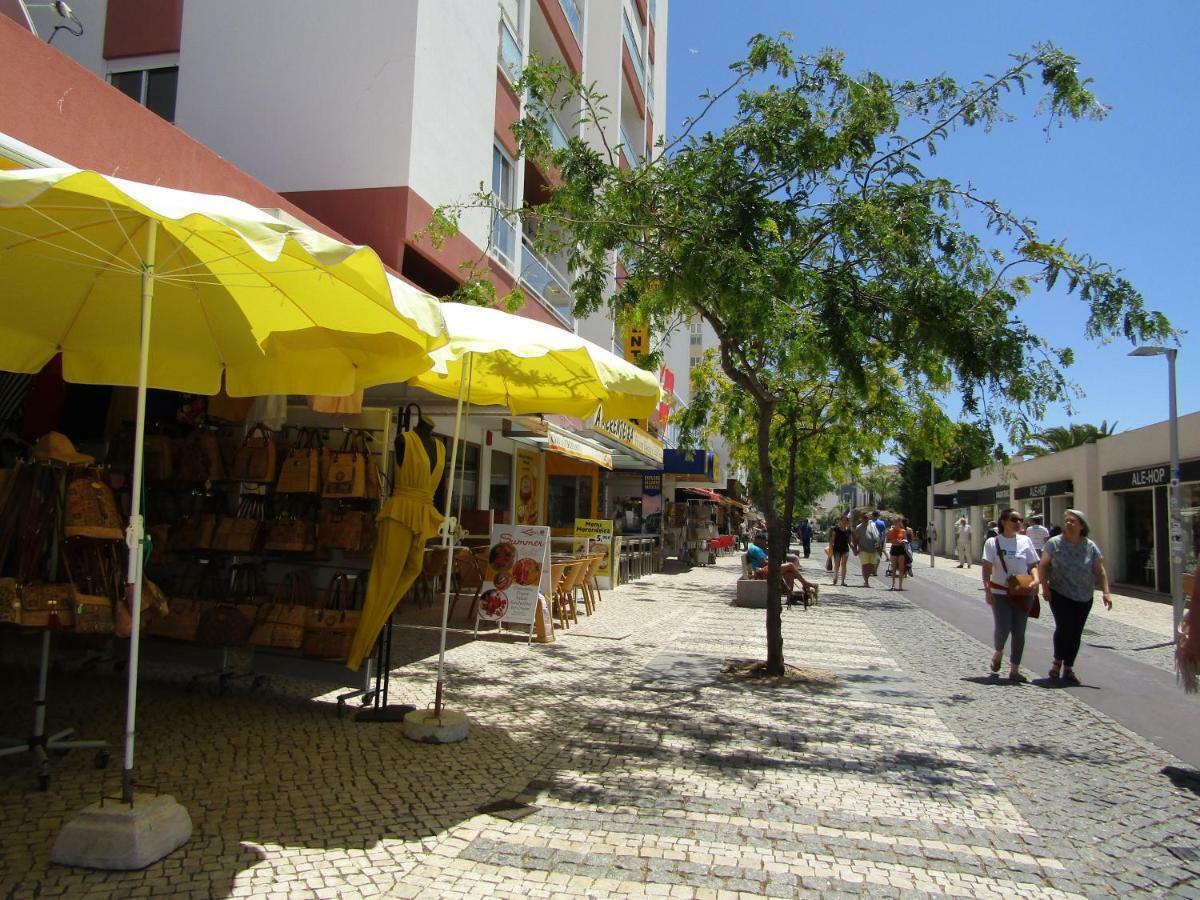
(558, 574)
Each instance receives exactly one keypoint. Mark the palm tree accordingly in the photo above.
(1052, 440)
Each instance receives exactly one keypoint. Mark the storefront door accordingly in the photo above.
(1138, 558)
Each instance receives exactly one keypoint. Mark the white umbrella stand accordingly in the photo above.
(439, 725)
(137, 829)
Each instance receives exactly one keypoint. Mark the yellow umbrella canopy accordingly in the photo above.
(275, 307)
(531, 367)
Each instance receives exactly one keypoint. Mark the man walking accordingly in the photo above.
(806, 533)
(865, 543)
(1037, 532)
(962, 542)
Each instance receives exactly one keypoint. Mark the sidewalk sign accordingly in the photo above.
(601, 533)
(518, 570)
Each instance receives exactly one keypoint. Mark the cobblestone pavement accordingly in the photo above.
(635, 767)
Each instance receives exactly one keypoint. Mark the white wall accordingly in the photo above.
(88, 48)
(303, 95)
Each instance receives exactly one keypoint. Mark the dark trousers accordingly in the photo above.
(1069, 618)
(807, 546)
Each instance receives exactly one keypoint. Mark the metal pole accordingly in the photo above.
(932, 509)
(136, 530)
(1176, 506)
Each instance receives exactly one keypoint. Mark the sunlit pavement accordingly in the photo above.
(629, 765)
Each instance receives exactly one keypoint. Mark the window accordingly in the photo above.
(500, 495)
(154, 89)
(509, 53)
(466, 479)
(694, 361)
(504, 234)
(695, 327)
(570, 9)
(697, 339)
(569, 498)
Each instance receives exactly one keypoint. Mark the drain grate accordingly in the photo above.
(511, 810)
(1189, 853)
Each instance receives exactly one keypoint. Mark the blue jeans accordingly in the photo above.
(1012, 620)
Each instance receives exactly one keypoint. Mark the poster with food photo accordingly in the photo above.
(518, 567)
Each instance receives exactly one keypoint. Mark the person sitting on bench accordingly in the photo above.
(756, 557)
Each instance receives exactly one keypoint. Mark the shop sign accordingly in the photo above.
(637, 342)
(981, 496)
(625, 433)
(518, 569)
(1050, 489)
(696, 463)
(652, 502)
(601, 533)
(569, 446)
(945, 501)
(529, 487)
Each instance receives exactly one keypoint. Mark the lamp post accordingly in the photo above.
(1176, 503)
(932, 508)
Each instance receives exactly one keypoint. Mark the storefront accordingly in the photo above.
(1048, 500)
(1140, 529)
(633, 495)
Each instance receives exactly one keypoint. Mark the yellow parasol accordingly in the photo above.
(89, 263)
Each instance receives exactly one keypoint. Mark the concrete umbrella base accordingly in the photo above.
(427, 727)
(120, 836)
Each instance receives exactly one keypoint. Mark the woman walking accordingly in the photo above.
(1070, 568)
(897, 538)
(1007, 555)
(840, 541)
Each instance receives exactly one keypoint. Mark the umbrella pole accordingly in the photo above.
(449, 534)
(136, 531)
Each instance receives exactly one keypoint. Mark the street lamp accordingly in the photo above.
(1176, 503)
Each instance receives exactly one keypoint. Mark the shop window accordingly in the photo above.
(500, 490)
(570, 498)
(1190, 510)
(466, 478)
(154, 89)
(1137, 521)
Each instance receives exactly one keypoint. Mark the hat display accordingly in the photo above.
(55, 447)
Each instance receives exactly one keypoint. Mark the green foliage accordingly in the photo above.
(969, 446)
(1052, 440)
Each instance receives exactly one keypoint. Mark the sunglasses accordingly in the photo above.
(1014, 519)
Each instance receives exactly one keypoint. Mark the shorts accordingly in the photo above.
(868, 559)
(898, 550)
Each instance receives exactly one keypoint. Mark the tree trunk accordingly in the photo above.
(777, 542)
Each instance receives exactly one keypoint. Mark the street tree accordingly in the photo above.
(1052, 440)
(810, 236)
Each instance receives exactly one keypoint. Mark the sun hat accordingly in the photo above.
(1079, 514)
(58, 448)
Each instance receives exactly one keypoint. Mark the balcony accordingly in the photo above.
(635, 52)
(631, 148)
(509, 56)
(547, 283)
(504, 236)
(558, 137)
(570, 9)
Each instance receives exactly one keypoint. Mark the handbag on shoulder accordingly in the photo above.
(257, 458)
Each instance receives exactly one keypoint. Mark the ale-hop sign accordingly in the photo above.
(518, 569)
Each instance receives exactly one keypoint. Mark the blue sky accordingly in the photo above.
(1124, 189)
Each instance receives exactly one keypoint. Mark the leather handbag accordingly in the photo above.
(241, 533)
(346, 471)
(281, 622)
(160, 457)
(344, 529)
(10, 602)
(1020, 581)
(179, 621)
(91, 509)
(330, 629)
(228, 623)
(200, 457)
(92, 586)
(47, 605)
(257, 458)
(301, 472)
(291, 534)
(194, 532)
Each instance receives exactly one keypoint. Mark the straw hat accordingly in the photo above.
(57, 447)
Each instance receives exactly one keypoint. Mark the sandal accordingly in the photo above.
(1015, 677)
(1069, 677)
(1056, 670)
(995, 663)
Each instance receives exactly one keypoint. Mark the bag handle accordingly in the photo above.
(339, 589)
(258, 427)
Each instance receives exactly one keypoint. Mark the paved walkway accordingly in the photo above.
(637, 768)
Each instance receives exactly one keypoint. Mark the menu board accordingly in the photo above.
(601, 533)
(518, 568)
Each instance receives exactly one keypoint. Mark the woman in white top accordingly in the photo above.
(1009, 553)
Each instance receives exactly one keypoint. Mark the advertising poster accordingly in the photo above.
(601, 533)
(528, 488)
(651, 495)
(518, 567)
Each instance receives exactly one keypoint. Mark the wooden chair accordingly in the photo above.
(566, 589)
(558, 572)
(587, 582)
(468, 577)
(432, 577)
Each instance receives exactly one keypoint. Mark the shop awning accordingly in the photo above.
(715, 497)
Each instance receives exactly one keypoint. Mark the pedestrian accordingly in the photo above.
(962, 542)
(806, 535)
(992, 530)
(909, 543)
(865, 543)
(897, 538)
(1055, 531)
(1006, 556)
(1037, 532)
(840, 542)
(880, 524)
(1071, 567)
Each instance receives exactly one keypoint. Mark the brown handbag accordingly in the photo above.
(179, 622)
(343, 529)
(194, 532)
(243, 532)
(281, 622)
(346, 471)
(92, 586)
(257, 458)
(200, 457)
(330, 630)
(159, 454)
(91, 509)
(47, 605)
(228, 623)
(10, 602)
(291, 534)
(301, 472)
